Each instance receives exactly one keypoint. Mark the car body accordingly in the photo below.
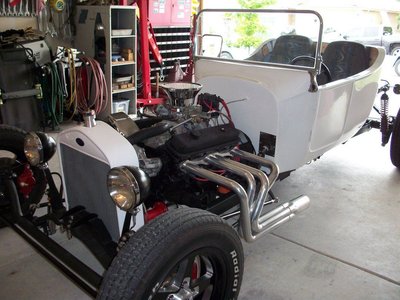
(279, 93)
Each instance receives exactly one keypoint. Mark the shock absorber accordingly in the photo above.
(385, 118)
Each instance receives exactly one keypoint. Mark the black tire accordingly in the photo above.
(395, 142)
(167, 249)
(12, 139)
(395, 51)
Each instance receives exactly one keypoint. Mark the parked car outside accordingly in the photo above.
(377, 35)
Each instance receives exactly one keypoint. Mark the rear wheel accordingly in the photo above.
(395, 51)
(12, 140)
(185, 253)
(395, 142)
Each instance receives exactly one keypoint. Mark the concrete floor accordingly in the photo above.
(345, 246)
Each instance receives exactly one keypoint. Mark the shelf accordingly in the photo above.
(123, 90)
(119, 31)
(123, 63)
(122, 36)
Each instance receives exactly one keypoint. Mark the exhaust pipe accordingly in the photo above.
(253, 223)
(233, 186)
(283, 213)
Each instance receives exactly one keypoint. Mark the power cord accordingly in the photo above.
(92, 92)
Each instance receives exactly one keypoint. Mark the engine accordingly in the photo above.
(191, 132)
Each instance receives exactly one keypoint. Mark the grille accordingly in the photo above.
(85, 181)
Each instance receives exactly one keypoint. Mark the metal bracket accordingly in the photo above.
(37, 92)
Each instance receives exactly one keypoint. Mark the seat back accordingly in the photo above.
(287, 47)
(345, 58)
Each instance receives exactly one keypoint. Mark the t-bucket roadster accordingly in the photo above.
(162, 201)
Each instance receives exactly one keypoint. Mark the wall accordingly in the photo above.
(17, 23)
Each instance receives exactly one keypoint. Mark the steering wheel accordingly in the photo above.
(304, 60)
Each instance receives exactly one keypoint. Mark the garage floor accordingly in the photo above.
(345, 246)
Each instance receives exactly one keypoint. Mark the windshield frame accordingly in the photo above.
(316, 69)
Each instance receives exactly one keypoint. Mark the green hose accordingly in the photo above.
(53, 95)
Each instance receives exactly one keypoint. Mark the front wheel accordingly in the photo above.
(395, 142)
(185, 253)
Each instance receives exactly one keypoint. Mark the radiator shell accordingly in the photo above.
(86, 156)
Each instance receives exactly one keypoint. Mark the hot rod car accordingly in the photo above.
(163, 200)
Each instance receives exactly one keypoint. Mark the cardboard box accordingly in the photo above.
(127, 54)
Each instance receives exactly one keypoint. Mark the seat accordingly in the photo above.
(288, 47)
(345, 58)
(263, 51)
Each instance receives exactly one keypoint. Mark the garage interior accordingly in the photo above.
(345, 246)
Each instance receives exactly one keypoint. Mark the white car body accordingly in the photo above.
(277, 101)
(273, 99)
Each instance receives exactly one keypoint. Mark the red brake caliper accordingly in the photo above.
(26, 181)
(195, 270)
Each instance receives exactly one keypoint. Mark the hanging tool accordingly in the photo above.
(3, 9)
(14, 13)
(9, 12)
(34, 8)
(14, 5)
(21, 12)
(27, 13)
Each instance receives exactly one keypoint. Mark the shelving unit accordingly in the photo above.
(108, 34)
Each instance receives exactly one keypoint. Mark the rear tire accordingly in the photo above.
(12, 139)
(183, 251)
(395, 51)
(395, 142)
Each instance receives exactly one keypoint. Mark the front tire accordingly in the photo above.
(185, 253)
(395, 142)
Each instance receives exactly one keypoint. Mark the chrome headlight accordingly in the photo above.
(127, 186)
(39, 148)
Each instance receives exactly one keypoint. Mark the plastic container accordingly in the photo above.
(121, 105)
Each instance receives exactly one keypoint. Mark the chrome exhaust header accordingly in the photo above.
(253, 222)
